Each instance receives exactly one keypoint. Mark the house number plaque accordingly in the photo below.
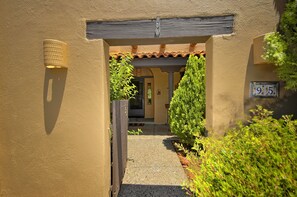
(264, 89)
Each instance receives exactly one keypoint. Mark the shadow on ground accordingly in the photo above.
(129, 190)
(167, 142)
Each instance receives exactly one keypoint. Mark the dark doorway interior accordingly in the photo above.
(136, 105)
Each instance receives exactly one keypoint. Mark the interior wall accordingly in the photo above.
(160, 92)
(176, 80)
(160, 95)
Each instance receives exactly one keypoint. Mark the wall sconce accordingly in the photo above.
(55, 53)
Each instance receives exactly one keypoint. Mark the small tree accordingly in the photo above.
(281, 47)
(187, 107)
(121, 76)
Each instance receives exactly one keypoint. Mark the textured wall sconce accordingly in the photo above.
(55, 53)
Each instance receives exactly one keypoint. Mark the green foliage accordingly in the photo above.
(187, 107)
(281, 47)
(180, 147)
(121, 75)
(275, 49)
(135, 132)
(258, 159)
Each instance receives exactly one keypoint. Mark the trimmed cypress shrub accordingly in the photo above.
(187, 107)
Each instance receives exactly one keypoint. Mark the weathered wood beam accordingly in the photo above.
(169, 28)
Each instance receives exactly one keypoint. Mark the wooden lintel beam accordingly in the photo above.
(192, 47)
(134, 48)
(169, 28)
(162, 48)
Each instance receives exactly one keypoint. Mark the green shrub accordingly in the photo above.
(187, 107)
(281, 47)
(258, 159)
(135, 132)
(121, 74)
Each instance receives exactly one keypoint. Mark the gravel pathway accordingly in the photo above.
(153, 168)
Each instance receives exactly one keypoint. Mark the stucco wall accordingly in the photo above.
(285, 103)
(161, 87)
(228, 59)
(54, 138)
(260, 70)
(160, 95)
(64, 150)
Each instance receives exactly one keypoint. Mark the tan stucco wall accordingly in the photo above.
(161, 86)
(58, 147)
(62, 148)
(285, 103)
(228, 59)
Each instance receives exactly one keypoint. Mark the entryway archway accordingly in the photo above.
(163, 31)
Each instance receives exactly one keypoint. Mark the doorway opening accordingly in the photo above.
(136, 104)
(158, 68)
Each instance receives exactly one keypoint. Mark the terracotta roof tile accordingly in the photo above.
(158, 55)
(158, 51)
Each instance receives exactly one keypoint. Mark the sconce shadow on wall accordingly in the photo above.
(55, 61)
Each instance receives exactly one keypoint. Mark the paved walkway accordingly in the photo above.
(153, 168)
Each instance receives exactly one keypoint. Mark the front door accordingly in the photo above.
(136, 105)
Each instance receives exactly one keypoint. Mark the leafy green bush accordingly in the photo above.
(258, 159)
(121, 75)
(281, 47)
(135, 132)
(187, 107)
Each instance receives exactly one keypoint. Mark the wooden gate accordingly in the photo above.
(119, 143)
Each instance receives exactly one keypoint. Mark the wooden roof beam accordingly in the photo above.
(162, 48)
(192, 47)
(134, 49)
